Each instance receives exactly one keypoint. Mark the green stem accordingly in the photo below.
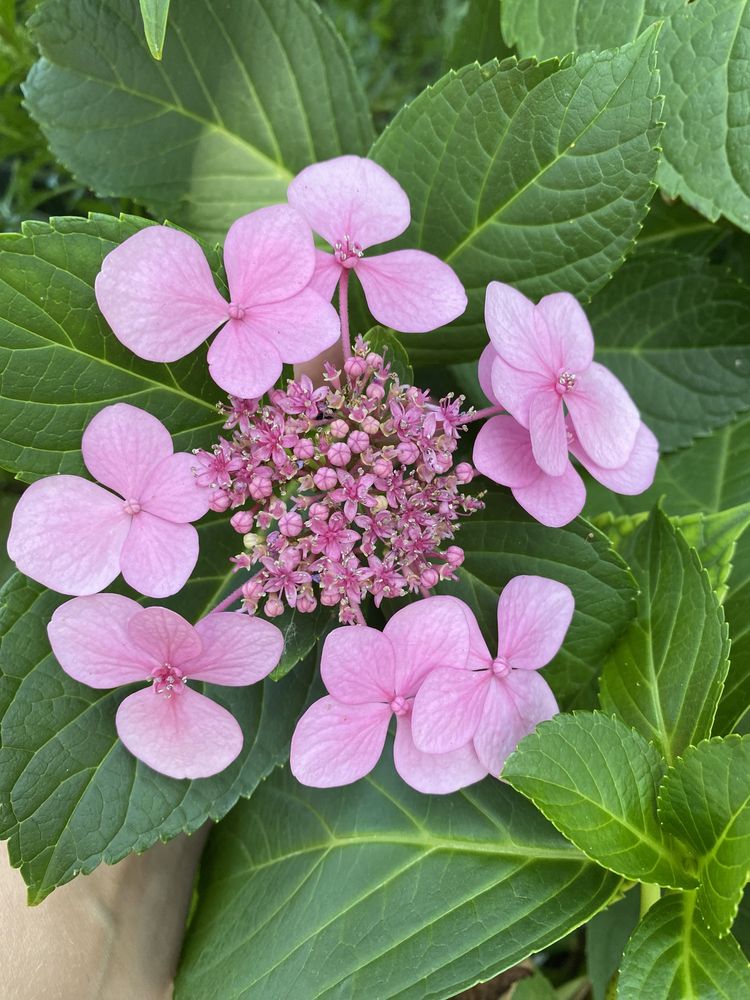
(650, 894)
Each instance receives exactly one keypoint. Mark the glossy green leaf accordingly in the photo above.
(386, 343)
(375, 890)
(539, 175)
(59, 361)
(665, 676)
(246, 95)
(705, 801)
(596, 780)
(477, 37)
(673, 955)
(155, 14)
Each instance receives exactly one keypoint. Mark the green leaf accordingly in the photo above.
(736, 697)
(665, 677)
(71, 796)
(705, 801)
(676, 330)
(703, 52)
(477, 37)
(301, 632)
(538, 175)
(606, 937)
(246, 95)
(386, 343)
(155, 14)
(596, 780)
(503, 541)
(534, 987)
(375, 890)
(672, 954)
(60, 363)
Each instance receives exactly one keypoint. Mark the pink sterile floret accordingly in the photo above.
(107, 640)
(354, 204)
(496, 701)
(371, 676)
(75, 537)
(157, 293)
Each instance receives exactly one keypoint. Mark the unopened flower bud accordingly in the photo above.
(358, 441)
(325, 478)
(429, 577)
(382, 467)
(407, 452)
(454, 556)
(339, 454)
(319, 511)
(375, 391)
(252, 591)
(374, 361)
(219, 501)
(355, 367)
(339, 428)
(290, 524)
(242, 521)
(252, 540)
(260, 487)
(304, 449)
(273, 607)
(370, 425)
(306, 602)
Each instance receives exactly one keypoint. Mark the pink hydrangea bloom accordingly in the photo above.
(75, 536)
(371, 676)
(157, 293)
(354, 204)
(543, 358)
(107, 640)
(496, 701)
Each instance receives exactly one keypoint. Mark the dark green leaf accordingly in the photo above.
(606, 937)
(155, 14)
(377, 891)
(477, 37)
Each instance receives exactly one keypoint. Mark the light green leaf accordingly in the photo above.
(71, 796)
(666, 675)
(59, 361)
(673, 955)
(703, 53)
(596, 780)
(705, 801)
(155, 14)
(246, 95)
(386, 343)
(676, 330)
(375, 890)
(538, 175)
(534, 987)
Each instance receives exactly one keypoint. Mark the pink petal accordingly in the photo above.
(520, 340)
(533, 615)
(326, 274)
(158, 556)
(337, 744)
(67, 533)
(479, 655)
(299, 328)
(237, 649)
(549, 439)
(502, 452)
(515, 389)
(636, 475)
(425, 635)
(157, 293)
(434, 773)
(532, 698)
(411, 291)
(357, 665)
(172, 492)
(447, 709)
(121, 447)
(185, 736)
(350, 196)
(569, 334)
(89, 637)
(499, 729)
(553, 500)
(268, 256)
(243, 362)
(604, 416)
(163, 636)
(484, 372)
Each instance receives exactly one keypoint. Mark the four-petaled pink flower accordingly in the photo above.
(371, 676)
(354, 204)
(107, 640)
(496, 701)
(75, 536)
(157, 293)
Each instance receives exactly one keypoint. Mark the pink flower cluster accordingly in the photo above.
(341, 491)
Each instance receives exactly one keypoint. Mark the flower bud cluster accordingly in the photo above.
(341, 491)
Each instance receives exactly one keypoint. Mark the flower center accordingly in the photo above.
(347, 252)
(399, 705)
(168, 680)
(565, 381)
(236, 312)
(132, 507)
(500, 667)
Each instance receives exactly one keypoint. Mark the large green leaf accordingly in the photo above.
(538, 175)
(155, 14)
(676, 330)
(705, 801)
(503, 541)
(665, 677)
(246, 95)
(597, 781)
(377, 891)
(703, 53)
(71, 796)
(477, 35)
(672, 955)
(60, 363)
(606, 937)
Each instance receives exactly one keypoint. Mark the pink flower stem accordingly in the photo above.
(488, 411)
(425, 592)
(344, 312)
(227, 601)
(358, 614)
